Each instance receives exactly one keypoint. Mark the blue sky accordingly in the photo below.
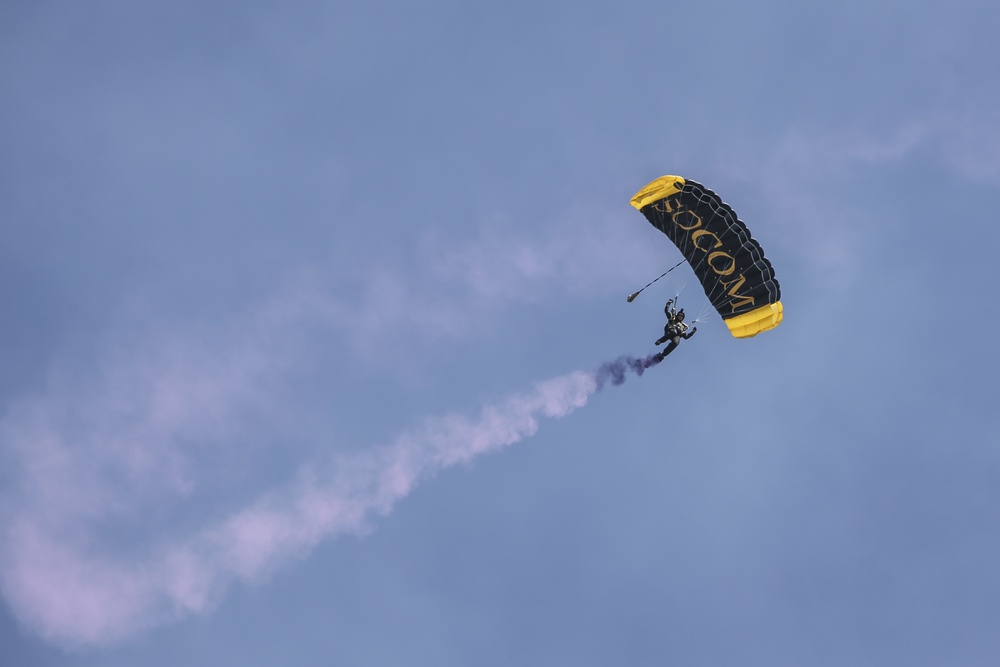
(302, 301)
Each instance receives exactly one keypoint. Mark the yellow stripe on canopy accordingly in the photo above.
(757, 320)
(662, 187)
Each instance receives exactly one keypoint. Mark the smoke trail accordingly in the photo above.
(74, 587)
(615, 370)
(63, 579)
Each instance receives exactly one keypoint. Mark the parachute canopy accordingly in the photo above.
(738, 280)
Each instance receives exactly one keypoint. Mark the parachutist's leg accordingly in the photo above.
(667, 334)
(668, 349)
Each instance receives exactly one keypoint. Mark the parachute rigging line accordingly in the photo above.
(631, 297)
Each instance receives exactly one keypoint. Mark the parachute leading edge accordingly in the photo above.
(738, 280)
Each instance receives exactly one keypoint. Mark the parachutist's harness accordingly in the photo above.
(675, 329)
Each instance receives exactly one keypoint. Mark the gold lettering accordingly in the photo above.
(665, 205)
(697, 234)
(676, 217)
(728, 269)
(744, 299)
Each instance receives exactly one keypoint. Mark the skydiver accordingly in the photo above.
(674, 330)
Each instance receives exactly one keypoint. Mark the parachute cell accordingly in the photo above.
(738, 280)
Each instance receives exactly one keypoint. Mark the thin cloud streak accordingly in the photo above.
(809, 210)
(122, 451)
(464, 287)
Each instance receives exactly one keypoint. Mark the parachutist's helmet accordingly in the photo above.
(680, 315)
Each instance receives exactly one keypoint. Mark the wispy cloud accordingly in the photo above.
(971, 145)
(107, 467)
(805, 177)
(449, 290)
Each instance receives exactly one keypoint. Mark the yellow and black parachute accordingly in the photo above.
(738, 280)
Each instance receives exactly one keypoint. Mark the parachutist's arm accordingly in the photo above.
(688, 334)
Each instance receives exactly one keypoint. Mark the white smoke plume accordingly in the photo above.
(71, 589)
(90, 473)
